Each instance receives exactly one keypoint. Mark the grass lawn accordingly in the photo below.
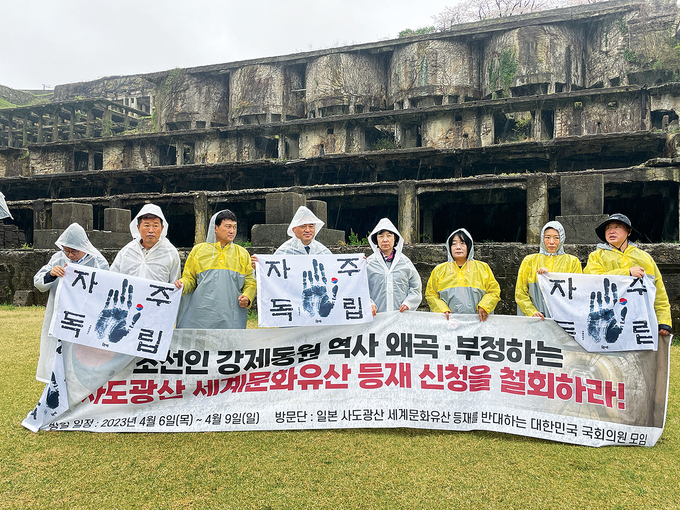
(389, 468)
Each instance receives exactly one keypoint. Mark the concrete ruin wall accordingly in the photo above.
(541, 59)
(345, 83)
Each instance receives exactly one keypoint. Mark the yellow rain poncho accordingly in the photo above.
(214, 278)
(607, 260)
(527, 290)
(462, 290)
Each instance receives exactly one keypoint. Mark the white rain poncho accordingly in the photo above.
(214, 277)
(395, 284)
(294, 246)
(527, 290)
(160, 263)
(4, 209)
(73, 237)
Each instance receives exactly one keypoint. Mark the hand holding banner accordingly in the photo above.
(95, 308)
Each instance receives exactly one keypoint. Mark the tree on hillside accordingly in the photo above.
(475, 10)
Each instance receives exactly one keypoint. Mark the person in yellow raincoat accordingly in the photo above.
(217, 281)
(618, 255)
(551, 258)
(462, 285)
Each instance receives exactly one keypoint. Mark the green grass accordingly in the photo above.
(337, 469)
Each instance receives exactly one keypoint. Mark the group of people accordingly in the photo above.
(218, 283)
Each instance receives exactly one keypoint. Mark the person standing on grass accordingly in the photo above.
(462, 285)
(618, 255)
(149, 255)
(550, 258)
(74, 247)
(217, 282)
(393, 282)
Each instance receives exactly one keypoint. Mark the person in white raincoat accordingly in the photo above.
(303, 230)
(4, 210)
(393, 282)
(74, 247)
(218, 281)
(149, 255)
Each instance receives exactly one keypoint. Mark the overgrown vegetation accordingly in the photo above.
(503, 75)
(353, 239)
(418, 31)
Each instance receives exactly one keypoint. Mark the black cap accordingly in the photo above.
(621, 218)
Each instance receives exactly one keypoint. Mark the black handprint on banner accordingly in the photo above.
(112, 322)
(315, 298)
(602, 323)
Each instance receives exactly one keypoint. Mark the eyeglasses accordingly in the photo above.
(70, 251)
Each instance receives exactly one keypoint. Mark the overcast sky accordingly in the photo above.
(50, 42)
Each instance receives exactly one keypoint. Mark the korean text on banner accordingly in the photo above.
(603, 313)
(318, 290)
(115, 312)
(518, 375)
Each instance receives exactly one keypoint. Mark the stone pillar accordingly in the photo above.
(408, 211)
(24, 138)
(10, 129)
(319, 208)
(582, 203)
(537, 206)
(281, 207)
(41, 123)
(72, 125)
(117, 220)
(201, 217)
(65, 213)
(537, 125)
(89, 122)
(282, 146)
(40, 217)
(55, 125)
(90, 160)
(179, 151)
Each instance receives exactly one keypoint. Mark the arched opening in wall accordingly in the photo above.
(489, 215)
(512, 127)
(359, 214)
(652, 208)
(658, 119)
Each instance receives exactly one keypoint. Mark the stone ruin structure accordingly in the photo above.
(498, 126)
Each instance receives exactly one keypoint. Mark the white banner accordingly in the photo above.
(519, 375)
(115, 312)
(603, 312)
(312, 290)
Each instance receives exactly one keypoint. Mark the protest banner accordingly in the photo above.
(519, 375)
(115, 312)
(317, 290)
(603, 312)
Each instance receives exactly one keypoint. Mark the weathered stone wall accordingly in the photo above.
(548, 55)
(434, 68)
(111, 87)
(345, 79)
(51, 160)
(457, 131)
(323, 139)
(265, 90)
(17, 268)
(184, 99)
(138, 154)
